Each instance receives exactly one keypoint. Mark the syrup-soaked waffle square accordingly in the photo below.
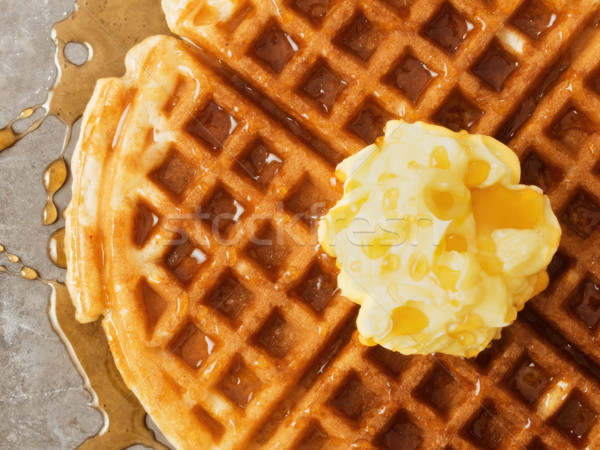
(458, 113)
(315, 10)
(146, 223)
(229, 297)
(401, 433)
(275, 48)
(411, 76)
(575, 418)
(585, 303)
(259, 162)
(221, 212)
(212, 125)
(495, 66)
(174, 174)
(239, 383)
(535, 171)
(353, 399)
(192, 346)
(534, 18)
(448, 28)
(323, 86)
(286, 368)
(369, 120)
(485, 429)
(359, 37)
(528, 379)
(316, 288)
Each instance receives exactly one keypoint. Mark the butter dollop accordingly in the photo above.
(436, 239)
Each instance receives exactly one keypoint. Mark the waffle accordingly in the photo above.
(245, 345)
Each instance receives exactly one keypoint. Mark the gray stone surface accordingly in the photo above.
(42, 400)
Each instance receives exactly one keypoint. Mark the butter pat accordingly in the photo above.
(436, 239)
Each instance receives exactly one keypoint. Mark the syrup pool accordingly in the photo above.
(106, 30)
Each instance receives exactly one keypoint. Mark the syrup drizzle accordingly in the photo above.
(124, 417)
(108, 29)
(56, 248)
(8, 136)
(54, 178)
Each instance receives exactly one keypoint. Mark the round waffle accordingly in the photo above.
(199, 176)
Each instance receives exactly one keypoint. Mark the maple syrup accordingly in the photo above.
(108, 29)
(448, 28)
(8, 136)
(412, 77)
(124, 417)
(56, 248)
(54, 178)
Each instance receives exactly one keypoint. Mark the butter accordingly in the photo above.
(436, 239)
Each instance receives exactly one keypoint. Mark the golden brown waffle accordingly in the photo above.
(253, 346)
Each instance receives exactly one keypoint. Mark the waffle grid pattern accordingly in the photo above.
(466, 67)
(263, 327)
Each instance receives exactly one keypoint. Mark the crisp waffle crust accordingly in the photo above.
(245, 345)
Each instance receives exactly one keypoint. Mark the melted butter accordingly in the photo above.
(348, 214)
(455, 242)
(467, 338)
(391, 263)
(390, 199)
(353, 184)
(490, 263)
(441, 203)
(408, 320)
(447, 277)
(375, 249)
(542, 282)
(443, 200)
(385, 177)
(418, 266)
(486, 243)
(511, 315)
(490, 206)
(463, 331)
(439, 158)
(476, 173)
(467, 226)
(414, 165)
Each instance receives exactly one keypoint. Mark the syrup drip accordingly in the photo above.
(8, 136)
(56, 248)
(108, 29)
(54, 178)
(124, 417)
(24, 272)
